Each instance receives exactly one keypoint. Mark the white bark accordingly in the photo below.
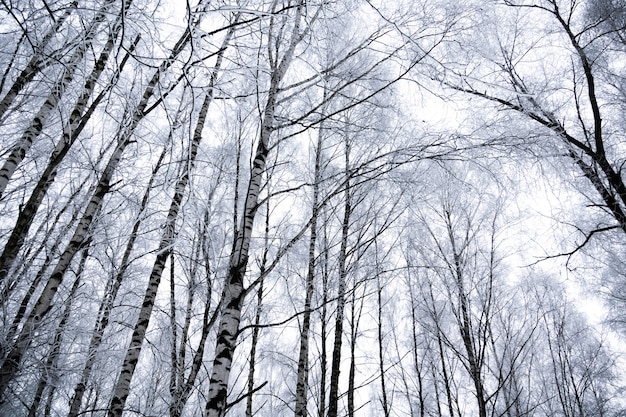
(234, 294)
(32, 132)
(12, 360)
(122, 387)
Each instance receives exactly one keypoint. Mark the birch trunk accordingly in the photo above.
(416, 360)
(122, 386)
(106, 305)
(303, 357)
(12, 361)
(257, 317)
(52, 359)
(333, 397)
(234, 294)
(321, 412)
(32, 132)
(184, 389)
(71, 130)
(381, 356)
(441, 352)
(177, 366)
(474, 359)
(36, 63)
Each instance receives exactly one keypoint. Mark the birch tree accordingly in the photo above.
(234, 294)
(141, 142)
(23, 145)
(81, 233)
(122, 386)
(79, 117)
(569, 101)
(43, 51)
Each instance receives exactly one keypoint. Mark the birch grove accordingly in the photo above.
(312, 208)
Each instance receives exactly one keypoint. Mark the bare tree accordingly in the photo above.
(23, 145)
(234, 294)
(81, 234)
(164, 252)
(570, 102)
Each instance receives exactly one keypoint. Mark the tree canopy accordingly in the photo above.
(318, 208)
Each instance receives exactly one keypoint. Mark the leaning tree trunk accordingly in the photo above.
(81, 234)
(106, 305)
(52, 247)
(44, 302)
(36, 63)
(234, 293)
(53, 356)
(71, 130)
(21, 148)
(122, 386)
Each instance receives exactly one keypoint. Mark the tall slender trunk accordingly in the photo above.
(122, 386)
(106, 305)
(81, 234)
(184, 388)
(19, 151)
(36, 63)
(474, 363)
(77, 121)
(257, 317)
(381, 359)
(440, 350)
(333, 397)
(53, 356)
(303, 357)
(234, 294)
(416, 360)
(355, 318)
(177, 365)
(321, 412)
